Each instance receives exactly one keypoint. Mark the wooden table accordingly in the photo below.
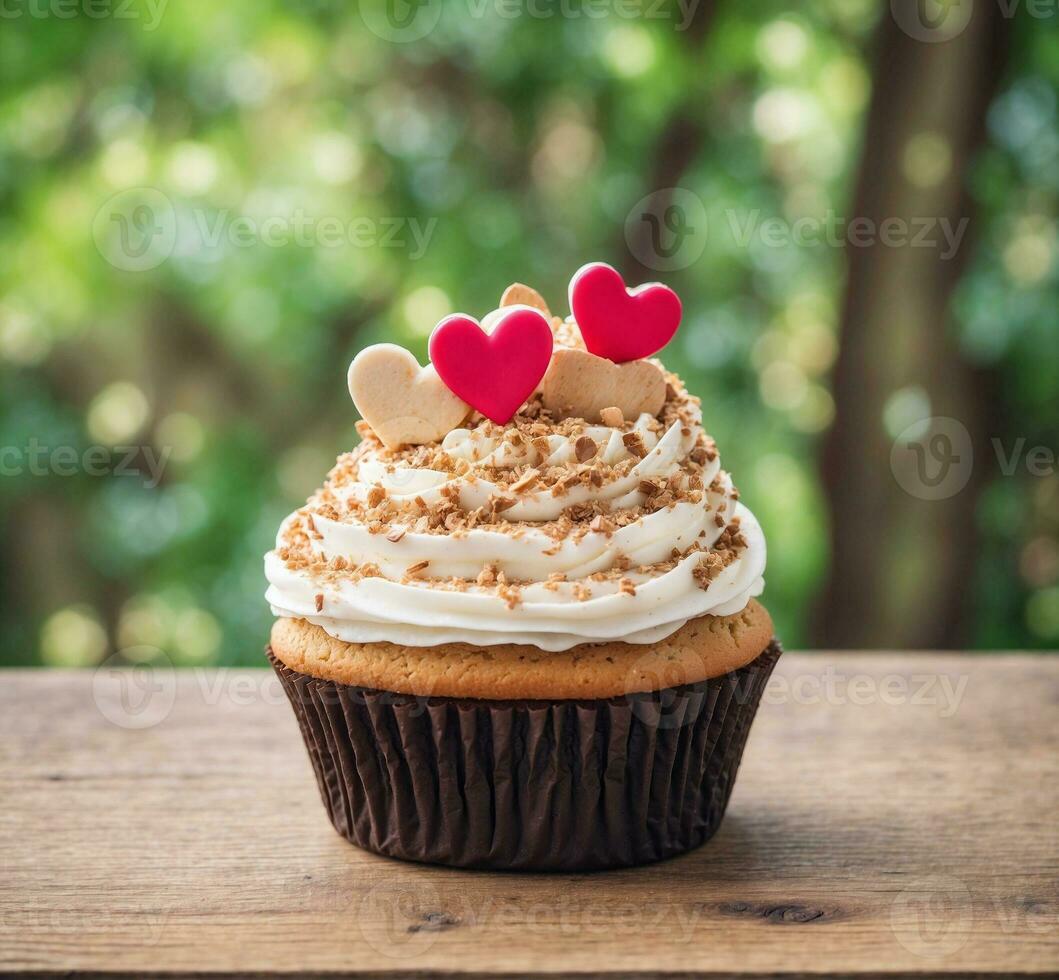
(895, 815)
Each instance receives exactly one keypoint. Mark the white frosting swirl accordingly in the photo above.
(549, 583)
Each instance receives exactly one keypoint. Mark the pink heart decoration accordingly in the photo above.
(618, 323)
(494, 372)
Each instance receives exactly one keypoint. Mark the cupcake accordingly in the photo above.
(518, 623)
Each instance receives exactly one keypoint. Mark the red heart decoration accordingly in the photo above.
(618, 323)
(494, 372)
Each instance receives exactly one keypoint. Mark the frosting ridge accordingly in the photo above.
(541, 531)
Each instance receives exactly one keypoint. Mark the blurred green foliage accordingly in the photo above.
(514, 147)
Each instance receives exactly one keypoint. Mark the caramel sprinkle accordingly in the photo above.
(525, 481)
(602, 524)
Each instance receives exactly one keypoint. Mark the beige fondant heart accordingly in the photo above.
(518, 294)
(405, 404)
(580, 385)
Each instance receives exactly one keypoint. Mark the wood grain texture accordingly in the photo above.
(895, 815)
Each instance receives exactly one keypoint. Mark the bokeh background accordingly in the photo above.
(207, 208)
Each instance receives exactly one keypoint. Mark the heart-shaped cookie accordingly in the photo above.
(618, 323)
(518, 294)
(581, 385)
(496, 371)
(405, 404)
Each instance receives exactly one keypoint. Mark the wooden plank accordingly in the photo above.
(895, 814)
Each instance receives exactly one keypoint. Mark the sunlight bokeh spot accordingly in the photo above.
(73, 637)
(926, 160)
(629, 50)
(118, 413)
(424, 307)
(906, 407)
(182, 434)
(193, 168)
(782, 44)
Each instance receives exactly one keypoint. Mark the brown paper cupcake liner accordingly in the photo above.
(532, 785)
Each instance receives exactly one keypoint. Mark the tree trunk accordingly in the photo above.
(679, 143)
(901, 564)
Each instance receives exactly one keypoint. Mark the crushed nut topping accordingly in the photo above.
(585, 448)
(512, 463)
(634, 443)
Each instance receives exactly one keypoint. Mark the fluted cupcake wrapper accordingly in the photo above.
(533, 785)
